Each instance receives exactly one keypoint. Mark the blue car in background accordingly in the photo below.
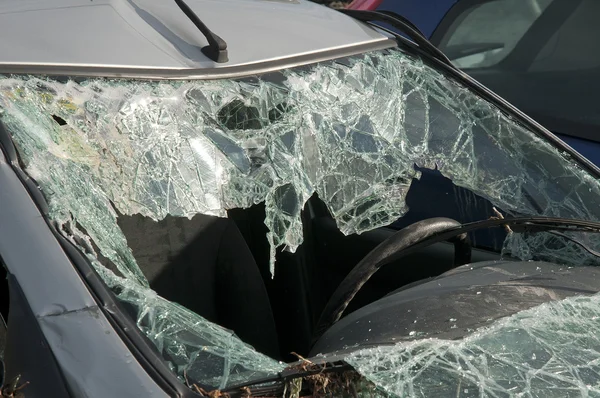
(540, 55)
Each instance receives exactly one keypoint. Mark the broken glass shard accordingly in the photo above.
(551, 351)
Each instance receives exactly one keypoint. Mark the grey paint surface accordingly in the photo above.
(95, 360)
(156, 34)
(458, 303)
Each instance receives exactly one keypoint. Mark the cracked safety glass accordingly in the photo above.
(551, 351)
(356, 133)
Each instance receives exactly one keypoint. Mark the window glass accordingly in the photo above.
(357, 133)
(540, 55)
(487, 33)
(575, 45)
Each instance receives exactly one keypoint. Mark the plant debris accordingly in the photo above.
(13, 388)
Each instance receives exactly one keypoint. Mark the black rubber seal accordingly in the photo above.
(7, 146)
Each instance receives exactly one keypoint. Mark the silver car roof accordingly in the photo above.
(119, 36)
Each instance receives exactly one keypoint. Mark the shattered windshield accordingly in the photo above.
(356, 132)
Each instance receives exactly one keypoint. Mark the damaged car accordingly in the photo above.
(249, 209)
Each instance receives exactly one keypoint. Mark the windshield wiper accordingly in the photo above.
(534, 224)
(528, 224)
(554, 225)
(403, 25)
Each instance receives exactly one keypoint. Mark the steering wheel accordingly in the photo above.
(401, 243)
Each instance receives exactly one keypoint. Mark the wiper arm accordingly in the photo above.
(554, 227)
(533, 224)
(528, 224)
(403, 25)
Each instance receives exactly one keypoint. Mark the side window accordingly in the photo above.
(540, 55)
(484, 34)
(573, 46)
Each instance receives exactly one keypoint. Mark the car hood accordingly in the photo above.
(156, 34)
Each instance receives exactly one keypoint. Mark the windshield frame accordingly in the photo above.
(225, 72)
(140, 347)
(116, 313)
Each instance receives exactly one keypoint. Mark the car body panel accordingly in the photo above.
(426, 15)
(31, 253)
(444, 307)
(155, 34)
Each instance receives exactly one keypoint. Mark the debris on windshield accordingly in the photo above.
(13, 388)
(324, 380)
(210, 394)
(350, 131)
(499, 216)
(529, 354)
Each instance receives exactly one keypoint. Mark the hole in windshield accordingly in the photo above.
(59, 120)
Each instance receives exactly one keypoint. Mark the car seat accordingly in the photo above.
(204, 264)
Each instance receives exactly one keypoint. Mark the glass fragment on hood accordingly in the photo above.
(550, 351)
(349, 131)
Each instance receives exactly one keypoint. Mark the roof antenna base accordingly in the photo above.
(217, 47)
(217, 55)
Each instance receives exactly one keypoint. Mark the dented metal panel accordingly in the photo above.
(73, 325)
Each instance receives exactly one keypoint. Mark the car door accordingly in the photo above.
(540, 55)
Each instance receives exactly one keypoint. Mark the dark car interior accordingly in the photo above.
(219, 267)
